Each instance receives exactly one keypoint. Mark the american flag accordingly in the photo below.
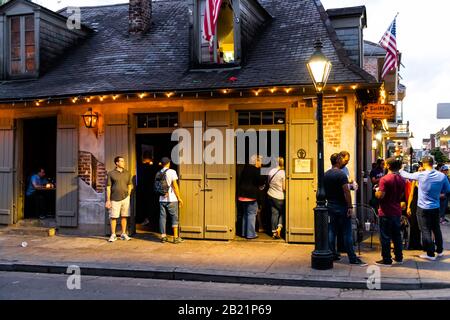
(210, 21)
(389, 42)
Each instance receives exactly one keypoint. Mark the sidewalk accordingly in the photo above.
(272, 263)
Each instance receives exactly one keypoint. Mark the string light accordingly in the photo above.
(101, 98)
(225, 91)
(142, 95)
(354, 87)
(169, 94)
(273, 90)
(74, 100)
(288, 90)
(337, 89)
(114, 97)
(257, 93)
(37, 104)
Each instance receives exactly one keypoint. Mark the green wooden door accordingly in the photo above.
(301, 188)
(6, 170)
(67, 170)
(117, 144)
(219, 183)
(191, 174)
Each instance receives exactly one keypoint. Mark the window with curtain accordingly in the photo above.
(22, 47)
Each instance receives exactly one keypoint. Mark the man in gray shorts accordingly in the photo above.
(118, 190)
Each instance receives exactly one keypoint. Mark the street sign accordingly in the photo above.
(379, 111)
(443, 111)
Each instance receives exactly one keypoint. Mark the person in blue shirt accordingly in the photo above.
(36, 199)
(432, 184)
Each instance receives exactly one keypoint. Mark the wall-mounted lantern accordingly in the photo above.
(90, 119)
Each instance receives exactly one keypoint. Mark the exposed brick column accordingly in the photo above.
(84, 167)
(333, 110)
(91, 171)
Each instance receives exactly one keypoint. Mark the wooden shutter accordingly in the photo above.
(301, 195)
(6, 170)
(67, 170)
(219, 186)
(192, 184)
(117, 144)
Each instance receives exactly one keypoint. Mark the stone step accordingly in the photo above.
(29, 231)
(37, 227)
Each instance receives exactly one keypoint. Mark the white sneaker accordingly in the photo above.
(112, 238)
(425, 256)
(125, 237)
(440, 254)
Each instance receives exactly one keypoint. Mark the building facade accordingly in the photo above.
(144, 69)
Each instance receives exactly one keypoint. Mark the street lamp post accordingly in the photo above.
(319, 68)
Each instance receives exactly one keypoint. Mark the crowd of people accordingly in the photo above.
(252, 184)
(420, 197)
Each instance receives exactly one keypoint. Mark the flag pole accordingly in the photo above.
(396, 91)
(396, 81)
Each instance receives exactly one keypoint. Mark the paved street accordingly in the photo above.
(227, 262)
(17, 285)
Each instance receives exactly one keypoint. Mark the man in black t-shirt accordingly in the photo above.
(340, 209)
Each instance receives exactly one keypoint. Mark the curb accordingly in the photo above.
(223, 277)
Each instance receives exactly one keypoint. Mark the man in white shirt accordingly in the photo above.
(169, 202)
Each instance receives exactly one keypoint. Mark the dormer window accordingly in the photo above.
(22, 47)
(223, 49)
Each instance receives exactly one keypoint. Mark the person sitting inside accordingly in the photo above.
(35, 198)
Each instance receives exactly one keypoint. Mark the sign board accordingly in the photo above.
(443, 111)
(379, 111)
(302, 165)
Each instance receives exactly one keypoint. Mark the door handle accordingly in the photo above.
(206, 190)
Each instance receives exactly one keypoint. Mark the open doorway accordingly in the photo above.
(263, 218)
(150, 148)
(39, 154)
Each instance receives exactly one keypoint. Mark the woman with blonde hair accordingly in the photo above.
(276, 197)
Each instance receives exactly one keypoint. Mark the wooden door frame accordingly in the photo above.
(284, 127)
(18, 161)
(133, 131)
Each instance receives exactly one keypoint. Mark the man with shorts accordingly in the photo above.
(118, 190)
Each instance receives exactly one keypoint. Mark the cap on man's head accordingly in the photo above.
(165, 161)
(428, 160)
(444, 167)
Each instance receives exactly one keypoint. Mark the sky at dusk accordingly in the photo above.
(421, 37)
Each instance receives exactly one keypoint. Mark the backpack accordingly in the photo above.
(161, 187)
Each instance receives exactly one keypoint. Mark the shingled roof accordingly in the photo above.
(113, 61)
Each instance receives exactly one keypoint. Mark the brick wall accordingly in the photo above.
(140, 15)
(91, 171)
(371, 66)
(333, 111)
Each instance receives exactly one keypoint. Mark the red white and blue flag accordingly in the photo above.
(210, 21)
(389, 42)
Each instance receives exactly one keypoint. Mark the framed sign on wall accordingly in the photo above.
(303, 165)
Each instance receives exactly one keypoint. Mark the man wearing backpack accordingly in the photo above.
(167, 187)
